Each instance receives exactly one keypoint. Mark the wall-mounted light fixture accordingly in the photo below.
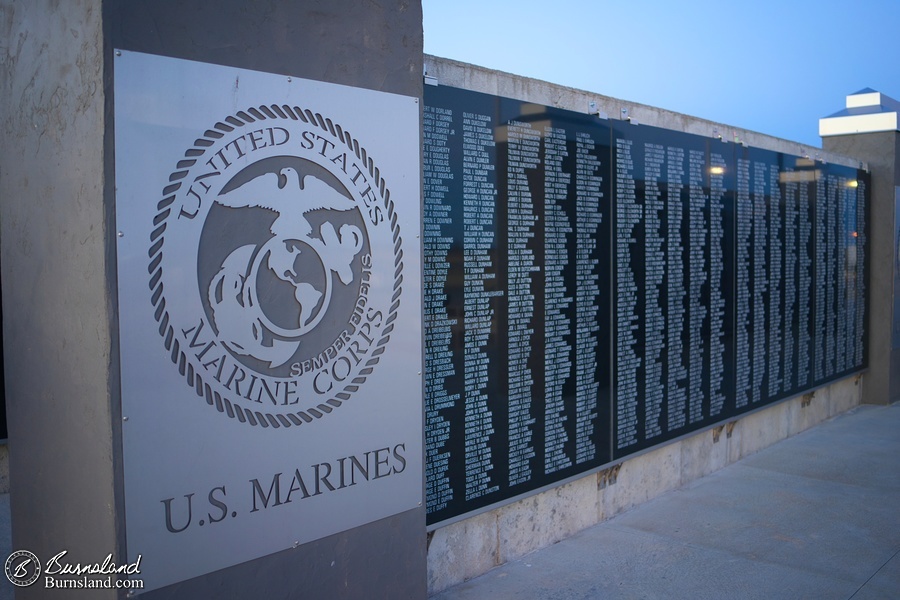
(593, 110)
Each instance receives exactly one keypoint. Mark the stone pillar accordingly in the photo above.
(868, 130)
(58, 250)
(58, 290)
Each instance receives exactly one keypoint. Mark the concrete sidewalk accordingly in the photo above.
(815, 516)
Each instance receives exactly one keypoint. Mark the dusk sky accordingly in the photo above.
(770, 66)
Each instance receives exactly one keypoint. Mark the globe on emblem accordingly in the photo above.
(267, 295)
(293, 263)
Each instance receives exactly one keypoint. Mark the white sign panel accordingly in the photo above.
(269, 284)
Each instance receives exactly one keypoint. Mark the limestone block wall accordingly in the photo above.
(473, 546)
(488, 81)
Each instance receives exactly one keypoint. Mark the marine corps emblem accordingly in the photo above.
(276, 266)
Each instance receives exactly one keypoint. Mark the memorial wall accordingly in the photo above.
(594, 288)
